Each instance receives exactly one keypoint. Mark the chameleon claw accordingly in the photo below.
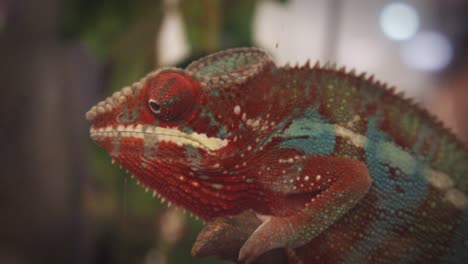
(272, 233)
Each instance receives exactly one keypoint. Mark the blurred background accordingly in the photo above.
(61, 199)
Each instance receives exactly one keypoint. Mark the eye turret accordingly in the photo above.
(171, 94)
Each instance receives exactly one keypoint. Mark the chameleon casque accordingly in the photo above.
(337, 166)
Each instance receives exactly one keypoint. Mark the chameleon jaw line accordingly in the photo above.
(172, 135)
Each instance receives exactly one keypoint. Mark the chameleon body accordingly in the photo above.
(337, 166)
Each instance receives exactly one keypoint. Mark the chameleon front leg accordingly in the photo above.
(334, 186)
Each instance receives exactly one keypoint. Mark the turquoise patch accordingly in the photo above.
(193, 156)
(460, 242)
(225, 65)
(312, 135)
(187, 130)
(391, 202)
(223, 132)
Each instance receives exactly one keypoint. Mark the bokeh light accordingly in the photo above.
(427, 51)
(399, 21)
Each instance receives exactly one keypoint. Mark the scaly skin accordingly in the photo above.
(338, 167)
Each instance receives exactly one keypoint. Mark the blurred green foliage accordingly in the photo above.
(202, 21)
(238, 22)
(120, 33)
(100, 23)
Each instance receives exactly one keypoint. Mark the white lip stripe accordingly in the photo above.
(162, 134)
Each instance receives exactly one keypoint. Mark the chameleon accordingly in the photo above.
(338, 166)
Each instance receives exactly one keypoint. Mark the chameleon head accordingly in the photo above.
(147, 129)
(179, 133)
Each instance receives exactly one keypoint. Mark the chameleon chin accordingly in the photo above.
(334, 162)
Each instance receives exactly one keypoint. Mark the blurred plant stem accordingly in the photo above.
(215, 24)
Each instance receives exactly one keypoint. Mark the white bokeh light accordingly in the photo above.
(292, 32)
(172, 42)
(399, 21)
(427, 51)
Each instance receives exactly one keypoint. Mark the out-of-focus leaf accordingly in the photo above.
(101, 23)
(203, 23)
(238, 21)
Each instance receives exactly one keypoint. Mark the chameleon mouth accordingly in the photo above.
(159, 134)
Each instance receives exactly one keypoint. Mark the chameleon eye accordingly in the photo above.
(155, 107)
(171, 94)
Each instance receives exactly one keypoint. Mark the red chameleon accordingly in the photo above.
(325, 158)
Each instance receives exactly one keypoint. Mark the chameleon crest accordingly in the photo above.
(337, 166)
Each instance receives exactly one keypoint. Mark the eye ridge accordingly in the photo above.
(170, 102)
(166, 86)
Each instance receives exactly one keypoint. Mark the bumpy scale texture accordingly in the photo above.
(337, 166)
